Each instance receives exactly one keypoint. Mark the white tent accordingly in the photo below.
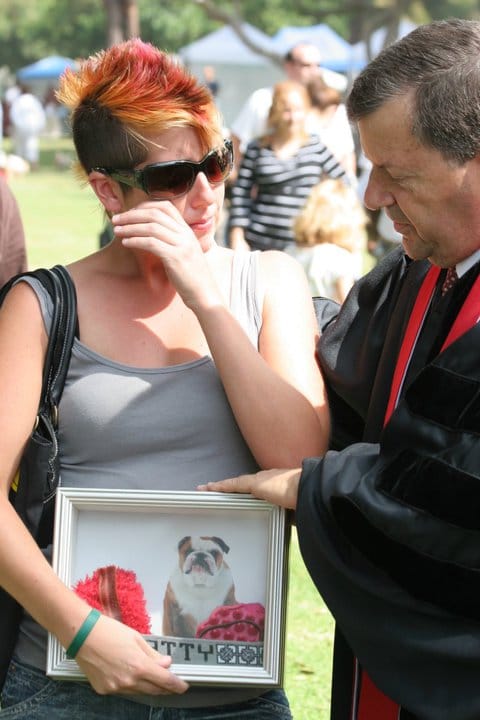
(238, 69)
(225, 47)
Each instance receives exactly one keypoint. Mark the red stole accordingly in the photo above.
(372, 703)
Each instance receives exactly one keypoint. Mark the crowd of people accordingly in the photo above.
(277, 174)
(289, 139)
(202, 365)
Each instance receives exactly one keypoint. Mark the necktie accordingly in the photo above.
(450, 278)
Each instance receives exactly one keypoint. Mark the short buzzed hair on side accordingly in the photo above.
(122, 95)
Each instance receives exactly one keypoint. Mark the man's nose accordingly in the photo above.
(377, 192)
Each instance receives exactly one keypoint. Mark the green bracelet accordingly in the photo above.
(83, 633)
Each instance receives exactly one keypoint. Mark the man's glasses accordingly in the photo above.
(302, 64)
(169, 180)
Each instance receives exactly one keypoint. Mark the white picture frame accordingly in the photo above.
(145, 535)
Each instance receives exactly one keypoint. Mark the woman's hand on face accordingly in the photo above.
(279, 487)
(117, 660)
(159, 228)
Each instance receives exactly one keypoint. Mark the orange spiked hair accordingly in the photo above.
(124, 95)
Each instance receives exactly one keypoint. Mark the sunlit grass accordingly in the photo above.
(62, 219)
(309, 644)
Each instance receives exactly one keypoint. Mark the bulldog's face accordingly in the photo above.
(201, 559)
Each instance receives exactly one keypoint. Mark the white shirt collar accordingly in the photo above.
(466, 264)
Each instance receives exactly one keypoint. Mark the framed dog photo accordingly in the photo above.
(202, 576)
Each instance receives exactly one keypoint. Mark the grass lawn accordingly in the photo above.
(62, 222)
(62, 218)
(309, 644)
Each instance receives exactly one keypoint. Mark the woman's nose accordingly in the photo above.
(201, 186)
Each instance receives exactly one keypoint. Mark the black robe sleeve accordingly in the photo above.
(424, 657)
(351, 348)
(390, 530)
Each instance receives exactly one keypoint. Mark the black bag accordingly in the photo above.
(33, 490)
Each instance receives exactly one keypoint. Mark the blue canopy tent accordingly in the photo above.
(48, 68)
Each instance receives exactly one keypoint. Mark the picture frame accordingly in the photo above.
(178, 564)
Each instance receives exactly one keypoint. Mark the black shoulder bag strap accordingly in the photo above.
(33, 493)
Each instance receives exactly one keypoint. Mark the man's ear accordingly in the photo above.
(108, 192)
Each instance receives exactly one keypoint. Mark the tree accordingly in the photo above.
(31, 29)
(355, 20)
(122, 19)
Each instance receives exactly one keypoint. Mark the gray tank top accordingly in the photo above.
(168, 428)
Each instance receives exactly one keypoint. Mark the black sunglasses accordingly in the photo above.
(168, 180)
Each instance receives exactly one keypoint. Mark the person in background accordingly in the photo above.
(27, 119)
(277, 174)
(388, 521)
(10, 94)
(328, 118)
(53, 122)
(13, 252)
(193, 363)
(330, 239)
(301, 64)
(209, 78)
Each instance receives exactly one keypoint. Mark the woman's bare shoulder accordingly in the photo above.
(21, 298)
(278, 263)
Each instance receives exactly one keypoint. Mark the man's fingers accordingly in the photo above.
(240, 484)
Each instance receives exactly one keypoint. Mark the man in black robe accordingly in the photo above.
(389, 520)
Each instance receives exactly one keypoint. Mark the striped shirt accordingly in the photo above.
(270, 191)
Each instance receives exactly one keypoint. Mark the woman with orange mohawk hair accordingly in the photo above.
(193, 363)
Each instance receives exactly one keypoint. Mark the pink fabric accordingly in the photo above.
(240, 623)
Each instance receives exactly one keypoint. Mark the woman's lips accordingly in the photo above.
(202, 225)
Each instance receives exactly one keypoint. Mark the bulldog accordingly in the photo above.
(200, 582)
